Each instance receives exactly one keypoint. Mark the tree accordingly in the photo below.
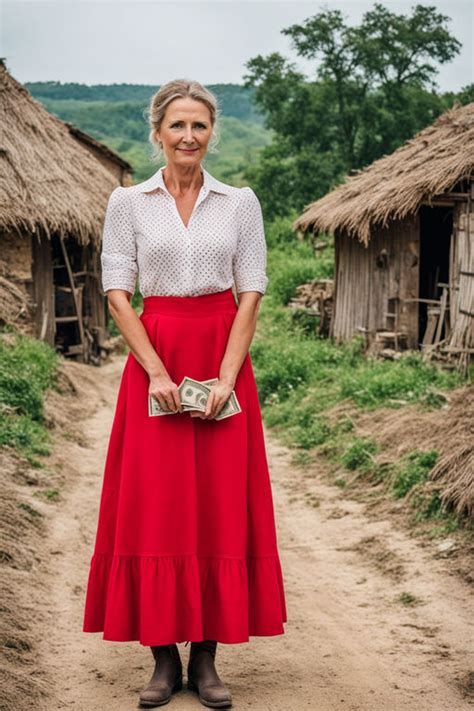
(373, 88)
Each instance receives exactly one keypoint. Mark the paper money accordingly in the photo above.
(194, 395)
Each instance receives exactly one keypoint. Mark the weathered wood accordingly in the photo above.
(432, 321)
(77, 301)
(42, 287)
(442, 313)
(462, 329)
(433, 302)
(66, 319)
(369, 280)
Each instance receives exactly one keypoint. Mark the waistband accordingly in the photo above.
(201, 305)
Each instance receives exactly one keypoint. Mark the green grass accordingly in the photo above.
(48, 494)
(301, 377)
(413, 471)
(359, 454)
(27, 370)
(291, 263)
(408, 599)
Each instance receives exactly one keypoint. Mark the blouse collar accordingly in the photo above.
(210, 183)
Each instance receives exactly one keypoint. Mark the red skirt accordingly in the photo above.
(186, 545)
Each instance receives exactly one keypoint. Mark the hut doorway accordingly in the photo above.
(68, 265)
(71, 313)
(436, 227)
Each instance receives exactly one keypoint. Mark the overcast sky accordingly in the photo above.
(151, 42)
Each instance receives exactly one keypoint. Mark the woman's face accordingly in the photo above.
(185, 131)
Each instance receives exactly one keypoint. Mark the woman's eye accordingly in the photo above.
(178, 125)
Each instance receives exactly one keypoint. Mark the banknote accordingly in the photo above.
(194, 394)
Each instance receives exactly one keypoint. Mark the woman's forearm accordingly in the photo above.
(241, 335)
(134, 333)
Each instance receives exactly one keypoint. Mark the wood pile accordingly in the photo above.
(315, 298)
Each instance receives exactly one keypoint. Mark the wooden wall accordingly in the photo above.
(43, 288)
(462, 277)
(371, 281)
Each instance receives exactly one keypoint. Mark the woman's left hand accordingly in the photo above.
(220, 393)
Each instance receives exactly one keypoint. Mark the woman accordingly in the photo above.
(186, 545)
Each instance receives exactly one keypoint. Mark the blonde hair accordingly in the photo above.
(179, 89)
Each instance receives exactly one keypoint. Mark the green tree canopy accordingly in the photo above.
(373, 88)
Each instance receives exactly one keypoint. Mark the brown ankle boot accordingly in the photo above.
(203, 677)
(167, 676)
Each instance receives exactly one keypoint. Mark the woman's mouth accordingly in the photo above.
(188, 150)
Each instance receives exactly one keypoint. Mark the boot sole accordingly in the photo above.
(151, 704)
(212, 704)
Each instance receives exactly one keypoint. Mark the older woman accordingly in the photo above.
(186, 545)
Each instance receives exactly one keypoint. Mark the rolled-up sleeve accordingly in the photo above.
(119, 254)
(250, 259)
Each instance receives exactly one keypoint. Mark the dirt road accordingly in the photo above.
(349, 642)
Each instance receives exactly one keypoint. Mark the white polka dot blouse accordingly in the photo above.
(223, 243)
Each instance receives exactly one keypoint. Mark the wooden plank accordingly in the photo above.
(442, 313)
(432, 320)
(408, 236)
(434, 302)
(75, 297)
(43, 292)
(462, 323)
(65, 319)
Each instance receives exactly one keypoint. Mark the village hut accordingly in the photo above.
(55, 182)
(404, 243)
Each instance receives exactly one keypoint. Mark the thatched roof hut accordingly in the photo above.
(404, 231)
(55, 182)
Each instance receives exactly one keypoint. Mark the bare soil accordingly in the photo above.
(375, 620)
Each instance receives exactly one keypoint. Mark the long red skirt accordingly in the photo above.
(186, 545)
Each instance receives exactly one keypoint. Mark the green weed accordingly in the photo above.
(359, 454)
(409, 600)
(27, 369)
(49, 494)
(412, 471)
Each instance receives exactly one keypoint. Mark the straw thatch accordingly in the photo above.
(449, 430)
(48, 179)
(88, 140)
(394, 186)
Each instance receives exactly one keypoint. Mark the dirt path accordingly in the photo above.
(348, 643)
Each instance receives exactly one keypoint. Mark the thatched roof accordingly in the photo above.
(48, 178)
(394, 186)
(97, 146)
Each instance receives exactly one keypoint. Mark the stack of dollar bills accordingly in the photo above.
(194, 395)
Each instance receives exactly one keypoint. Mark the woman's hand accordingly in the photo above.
(166, 392)
(220, 393)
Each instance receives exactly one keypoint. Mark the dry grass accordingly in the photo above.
(21, 535)
(48, 178)
(395, 185)
(455, 472)
(24, 552)
(449, 430)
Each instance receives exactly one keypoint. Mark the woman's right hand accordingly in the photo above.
(166, 392)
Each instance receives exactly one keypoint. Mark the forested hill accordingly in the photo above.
(115, 114)
(234, 100)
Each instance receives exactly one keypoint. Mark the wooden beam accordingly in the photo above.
(439, 328)
(436, 302)
(74, 296)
